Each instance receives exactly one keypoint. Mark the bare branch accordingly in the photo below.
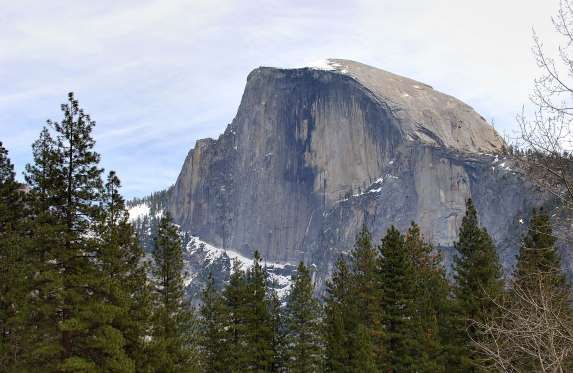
(531, 330)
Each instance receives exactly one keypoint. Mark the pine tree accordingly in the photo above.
(279, 344)
(235, 319)
(14, 271)
(538, 253)
(431, 301)
(67, 179)
(401, 339)
(213, 329)
(362, 350)
(259, 331)
(304, 344)
(124, 291)
(478, 277)
(538, 277)
(74, 203)
(353, 310)
(367, 293)
(45, 351)
(174, 328)
(341, 321)
(137, 323)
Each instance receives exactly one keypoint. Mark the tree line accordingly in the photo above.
(78, 293)
(391, 307)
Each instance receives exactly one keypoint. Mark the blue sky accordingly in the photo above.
(157, 75)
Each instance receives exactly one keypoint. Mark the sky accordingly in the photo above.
(157, 75)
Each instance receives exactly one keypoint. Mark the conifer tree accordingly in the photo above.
(278, 327)
(354, 310)
(538, 253)
(67, 178)
(431, 301)
(367, 292)
(44, 313)
(14, 271)
(174, 328)
(349, 347)
(401, 339)
(124, 291)
(478, 277)
(235, 319)
(213, 329)
(539, 280)
(303, 317)
(259, 330)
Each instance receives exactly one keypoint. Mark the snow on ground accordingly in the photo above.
(213, 253)
(138, 212)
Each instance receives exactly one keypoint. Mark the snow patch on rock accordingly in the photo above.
(327, 65)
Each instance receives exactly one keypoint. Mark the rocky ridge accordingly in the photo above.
(316, 152)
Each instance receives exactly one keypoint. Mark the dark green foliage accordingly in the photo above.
(44, 308)
(339, 320)
(431, 291)
(303, 318)
(174, 325)
(388, 310)
(478, 283)
(401, 339)
(242, 328)
(538, 275)
(212, 329)
(234, 300)
(367, 292)
(278, 325)
(67, 180)
(353, 324)
(538, 253)
(87, 302)
(14, 270)
(124, 290)
(349, 345)
(259, 331)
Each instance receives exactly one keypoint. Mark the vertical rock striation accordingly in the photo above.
(314, 153)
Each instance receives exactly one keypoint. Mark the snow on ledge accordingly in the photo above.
(138, 212)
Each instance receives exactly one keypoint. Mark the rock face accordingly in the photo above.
(314, 153)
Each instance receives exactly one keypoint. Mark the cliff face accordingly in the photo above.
(313, 154)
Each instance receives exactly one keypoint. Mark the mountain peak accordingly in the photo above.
(316, 152)
(423, 114)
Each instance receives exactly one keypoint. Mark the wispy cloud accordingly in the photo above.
(157, 75)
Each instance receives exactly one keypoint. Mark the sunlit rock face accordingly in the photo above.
(316, 152)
